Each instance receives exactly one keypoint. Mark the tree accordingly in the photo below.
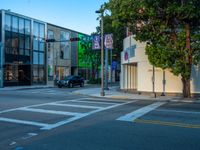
(170, 28)
(90, 56)
(118, 34)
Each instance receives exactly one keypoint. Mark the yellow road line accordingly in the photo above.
(176, 124)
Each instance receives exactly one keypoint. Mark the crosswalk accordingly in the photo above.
(68, 108)
(45, 91)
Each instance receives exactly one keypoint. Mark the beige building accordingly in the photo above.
(138, 75)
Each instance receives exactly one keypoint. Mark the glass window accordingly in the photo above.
(14, 24)
(27, 52)
(8, 39)
(41, 58)
(41, 43)
(35, 57)
(7, 22)
(21, 25)
(15, 40)
(50, 34)
(21, 42)
(35, 29)
(27, 42)
(41, 31)
(35, 43)
(64, 46)
(27, 26)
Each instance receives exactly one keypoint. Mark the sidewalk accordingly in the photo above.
(114, 93)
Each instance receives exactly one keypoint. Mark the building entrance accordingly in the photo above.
(15, 75)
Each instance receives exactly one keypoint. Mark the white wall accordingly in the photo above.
(145, 72)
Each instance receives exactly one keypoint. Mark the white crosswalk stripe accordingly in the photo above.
(81, 103)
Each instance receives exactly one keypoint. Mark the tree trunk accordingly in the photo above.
(186, 88)
(186, 79)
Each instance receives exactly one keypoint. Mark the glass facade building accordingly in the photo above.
(26, 58)
(23, 47)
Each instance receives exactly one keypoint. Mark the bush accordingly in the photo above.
(94, 81)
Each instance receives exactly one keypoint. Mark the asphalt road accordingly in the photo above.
(55, 119)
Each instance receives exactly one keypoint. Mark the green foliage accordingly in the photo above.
(94, 81)
(170, 27)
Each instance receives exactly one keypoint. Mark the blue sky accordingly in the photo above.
(77, 15)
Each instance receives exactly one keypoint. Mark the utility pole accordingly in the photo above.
(102, 54)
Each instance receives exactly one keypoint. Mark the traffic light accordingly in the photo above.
(74, 39)
(50, 40)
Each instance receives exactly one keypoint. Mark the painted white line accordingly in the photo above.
(50, 111)
(49, 127)
(95, 102)
(29, 135)
(78, 106)
(107, 100)
(18, 108)
(23, 122)
(178, 111)
(140, 112)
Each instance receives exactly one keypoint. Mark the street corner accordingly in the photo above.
(119, 97)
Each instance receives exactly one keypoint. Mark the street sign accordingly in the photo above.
(96, 42)
(108, 42)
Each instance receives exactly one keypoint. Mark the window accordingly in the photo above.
(41, 31)
(35, 43)
(21, 25)
(35, 57)
(41, 58)
(27, 42)
(64, 46)
(41, 43)
(27, 26)
(7, 22)
(35, 29)
(50, 34)
(15, 24)
(21, 45)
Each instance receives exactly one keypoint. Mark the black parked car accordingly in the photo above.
(71, 81)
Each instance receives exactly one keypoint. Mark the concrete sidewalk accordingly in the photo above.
(114, 93)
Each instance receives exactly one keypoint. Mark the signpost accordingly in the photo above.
(108, 42)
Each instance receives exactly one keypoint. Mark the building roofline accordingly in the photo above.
(66, 29)
(20, 15)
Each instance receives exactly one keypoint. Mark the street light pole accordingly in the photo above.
(102, 54)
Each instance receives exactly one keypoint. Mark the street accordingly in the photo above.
(57, 119)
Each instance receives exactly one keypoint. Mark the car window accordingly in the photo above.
(68, 77)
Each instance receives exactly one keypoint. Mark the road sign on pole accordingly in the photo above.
(108, 41)
(96, 42)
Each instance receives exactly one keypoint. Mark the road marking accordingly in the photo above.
(107, 100)
(78, 106)
(50, 111)
(36, 105)
(51, 126)
(75, 116)
(23, 122)
(165, 123)
(29, 135)
(140, 112)
(178, 111)
(96, 102)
